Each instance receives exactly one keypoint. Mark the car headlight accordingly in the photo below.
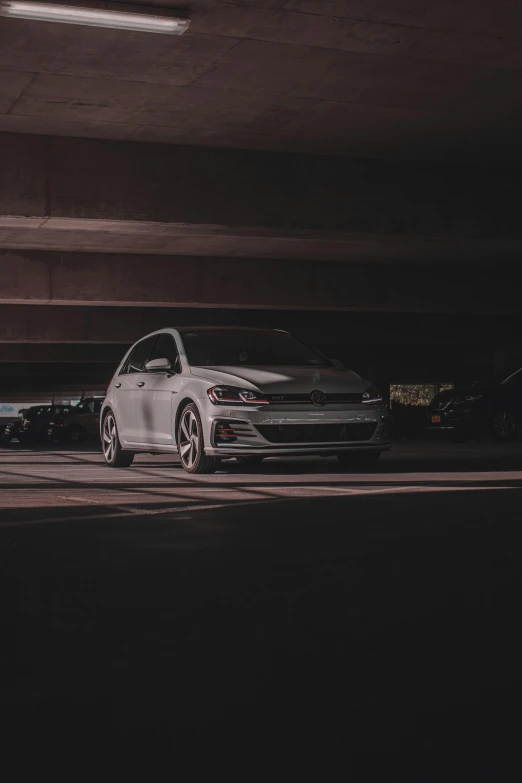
(226, 395)
(372, 396)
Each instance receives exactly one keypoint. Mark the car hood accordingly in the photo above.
(282, 380)
(461, 392)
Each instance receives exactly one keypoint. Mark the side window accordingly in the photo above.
(98, 405)
(138, 356)
(165, 348)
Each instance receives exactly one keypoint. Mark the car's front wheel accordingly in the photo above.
(114, 455)
(191, 446)
(504, 425)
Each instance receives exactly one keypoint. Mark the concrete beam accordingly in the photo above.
(34, 355)
(114, 196)
(57, 332)
(134, 237)
(37, 277)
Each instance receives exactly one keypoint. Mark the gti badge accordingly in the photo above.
(318, 398)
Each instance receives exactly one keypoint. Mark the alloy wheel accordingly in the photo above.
(189, 439)
(109, 437)
(504, 425)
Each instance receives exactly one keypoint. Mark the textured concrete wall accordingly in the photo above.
(47, 333)
(95, 179)
(40, 277)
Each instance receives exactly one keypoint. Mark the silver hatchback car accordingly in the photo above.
(209, 393)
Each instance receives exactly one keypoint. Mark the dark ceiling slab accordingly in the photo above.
(488, 17)
(304, 29)
(108, 54)
(361, 78)
(11, 86)
(380, 78)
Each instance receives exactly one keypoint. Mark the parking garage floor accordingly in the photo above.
(291, 622)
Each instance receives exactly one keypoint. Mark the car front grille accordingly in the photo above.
(317, 433)
(305, 399)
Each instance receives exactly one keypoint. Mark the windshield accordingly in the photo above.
(233, 348)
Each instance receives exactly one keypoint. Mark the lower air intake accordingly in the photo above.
(317, 433)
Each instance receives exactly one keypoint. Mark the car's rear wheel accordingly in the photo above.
(364, 460)
(113, 453)
(191, 446)
(504, 425)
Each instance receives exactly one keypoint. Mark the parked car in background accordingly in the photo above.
(12, 430)
(35, 421)
(212, 393)
(493, 406)
(77, 422)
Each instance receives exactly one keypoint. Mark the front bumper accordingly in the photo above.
(271, 432)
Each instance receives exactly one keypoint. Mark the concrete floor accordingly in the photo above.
(296, 621)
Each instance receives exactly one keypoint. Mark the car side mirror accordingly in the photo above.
(337, 363)
(158, 365)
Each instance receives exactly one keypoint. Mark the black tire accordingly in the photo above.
(114, 455)
(77, 434)
(191, 446)
(361, 461)
(504, 426)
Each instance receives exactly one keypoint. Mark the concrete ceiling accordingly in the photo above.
(375, 78)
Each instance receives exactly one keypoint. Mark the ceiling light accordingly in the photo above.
(115, 15)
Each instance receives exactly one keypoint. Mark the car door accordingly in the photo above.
(155, 400)
(127, 389)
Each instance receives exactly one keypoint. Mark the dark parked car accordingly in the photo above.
(35, 421)
(493, 406)
(12, 430)
(78, 422)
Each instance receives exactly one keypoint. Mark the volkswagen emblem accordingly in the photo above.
(318, 398)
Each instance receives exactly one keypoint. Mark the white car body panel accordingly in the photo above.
(147, 415)
(154, 405)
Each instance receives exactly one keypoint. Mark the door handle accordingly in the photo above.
(117, 385)
(140, 384)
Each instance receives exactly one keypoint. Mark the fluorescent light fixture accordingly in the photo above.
(115, 15)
